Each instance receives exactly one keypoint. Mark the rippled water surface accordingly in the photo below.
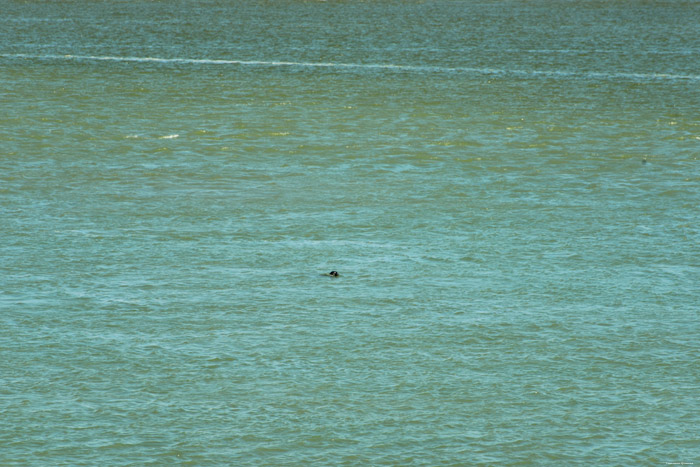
(508, 189)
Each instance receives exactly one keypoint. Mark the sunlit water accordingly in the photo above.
(509, 191)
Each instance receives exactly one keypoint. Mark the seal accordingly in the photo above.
(333, 274)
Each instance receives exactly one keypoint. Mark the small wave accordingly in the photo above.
(169, 137)
(597, 75)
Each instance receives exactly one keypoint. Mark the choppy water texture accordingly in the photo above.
(508, 189)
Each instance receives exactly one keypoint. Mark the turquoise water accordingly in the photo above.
(508, 189)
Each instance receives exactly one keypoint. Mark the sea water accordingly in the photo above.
(509, 190)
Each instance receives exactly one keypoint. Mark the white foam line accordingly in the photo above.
(208, 61)
(380, 66)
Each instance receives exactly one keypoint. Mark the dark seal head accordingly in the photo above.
(333, 274)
